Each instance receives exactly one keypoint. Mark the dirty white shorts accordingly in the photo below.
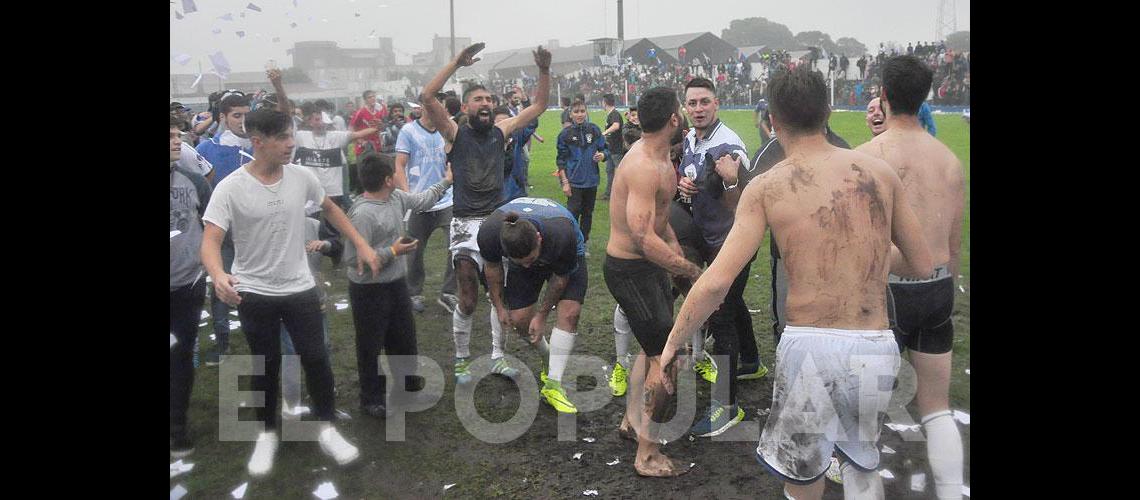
(465, 238)
(831, 387)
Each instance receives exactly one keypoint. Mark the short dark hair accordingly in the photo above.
(374, 168)
(175, 122)
(657, 105)
(609, 99)
(308, 109)
(395, 106)
(701, 82)
(577, 103)
(565, 101)
(906, 82)
(324, 105)
(471, 88)
(267, 122)
(233, 101)
(633, 107)
(453, 105)
(518, 237)
(441, 96)
(367, 93)
(501, 110)
(798, 99)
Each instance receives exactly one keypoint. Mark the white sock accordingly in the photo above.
(461, 330)
(622, 333)
(561, 343)
(944, 452)
(860, 485)
(698, 346)
(496, 336)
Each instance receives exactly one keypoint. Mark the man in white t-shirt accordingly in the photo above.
(262, 205)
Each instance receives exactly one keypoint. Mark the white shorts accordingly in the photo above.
(831, 387)
(464, 236)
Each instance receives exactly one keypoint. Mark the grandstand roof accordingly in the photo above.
(669, 42)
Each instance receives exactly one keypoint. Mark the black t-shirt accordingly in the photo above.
(477, 165)
(559, 253)
(613, 139)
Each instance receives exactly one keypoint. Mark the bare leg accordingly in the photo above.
(650, 461)
(933, 372)
(632, 418)
(813, 491)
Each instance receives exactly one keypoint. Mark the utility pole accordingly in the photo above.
(621, 50)
(947, 19)
(452, 2)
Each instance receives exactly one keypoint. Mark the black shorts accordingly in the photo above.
(523, 284)
(643, 291)
(920, 313)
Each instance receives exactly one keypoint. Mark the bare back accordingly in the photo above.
(933, 180)
(644, 175)
(831, 214)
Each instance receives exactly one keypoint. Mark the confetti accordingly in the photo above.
(188, 6)
(578, 456)
(886, 474)
(590, 493)
(448, 486)
(239, 492)
(589, 440)
(326, 491)
(888, 450)
(241, 34)
(918, 482)
(177, 492)
(253, 7)
(615, 462)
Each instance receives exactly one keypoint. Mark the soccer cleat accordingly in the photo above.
(335, 446)
(418, 303)
(752, 371)
(719, 419)
(448, 301)
(556, 397)
(262, 460)
(619, 380)
(706, 368)
(834, 473)
(502, 368)
(462, 371)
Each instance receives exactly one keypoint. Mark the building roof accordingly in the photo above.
(670, 42)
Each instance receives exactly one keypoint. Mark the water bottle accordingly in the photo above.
(691, 173)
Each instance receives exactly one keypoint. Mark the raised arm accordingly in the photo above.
(542, 60)
(282, 99)
(434, 109)
(362, 133)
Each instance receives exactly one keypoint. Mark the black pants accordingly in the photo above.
(728, 330)
(581, 205)
(185, 305)
(382, 314)
(344, 203)
(261, 318)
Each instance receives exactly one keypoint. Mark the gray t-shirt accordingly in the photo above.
(381, 224)
(189, 195)
(267, 224)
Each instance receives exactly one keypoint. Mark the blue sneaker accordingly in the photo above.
(719, 419)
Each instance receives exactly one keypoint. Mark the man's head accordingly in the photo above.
(325, 106)
(797, 102)
(415, 110)
(566, 102)
(521, 241)
(608, 101)
(369, 99)
(660, 112)
(234, 107)
(906, 82)
(312, 116)
(396, 113)
(876, 121)
(578, 112)
(633, 118)
(175, 139)
(269, 131)
(700, 102)
(501, 113)
(477, 103)
(454, 107)
(515, 98)
(377, 172)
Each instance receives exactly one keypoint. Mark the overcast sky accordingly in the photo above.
(510, 24)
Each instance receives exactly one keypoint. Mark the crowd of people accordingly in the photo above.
(260, 194)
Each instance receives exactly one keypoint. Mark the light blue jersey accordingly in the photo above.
(426, 160)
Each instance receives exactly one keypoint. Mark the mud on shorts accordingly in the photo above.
(522, 284)
(831, 386)
(920, 311)
(644, 292)
(464, 239)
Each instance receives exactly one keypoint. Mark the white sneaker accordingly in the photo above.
(336, 447)
(262, 460)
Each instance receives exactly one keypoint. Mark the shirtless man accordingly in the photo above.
(641, 253)
(920, 308)
(834, 214)
(876, 120)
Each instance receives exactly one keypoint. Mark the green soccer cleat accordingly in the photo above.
(752, 371)
(706, 368)
(619, 380)
(556, 397)
(462, 371)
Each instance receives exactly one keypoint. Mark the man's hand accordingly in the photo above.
(504, 319)
(317, 246)
(566, 189)
(467, 57)
(447, 173)
(224, 289)
(365, 254)
(728, 166)
(274, 76)
(668, 356)
(537, 325)
(599, 156)
(687, 187)
(542, 59)
(402, 248)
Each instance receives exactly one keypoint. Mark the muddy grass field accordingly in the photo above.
(439, 451)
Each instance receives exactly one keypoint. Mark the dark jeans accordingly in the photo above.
(382, 314)
(261, 319)
(218, 309)
(421, 226)
(729, 333)
(611, 167)
(344, 203)
(581, 205)
(185, 305)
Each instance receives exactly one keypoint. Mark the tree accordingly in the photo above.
(958, 41)
(759, 31)
(851, 47)
(816, 39)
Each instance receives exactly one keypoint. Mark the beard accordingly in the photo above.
(477, 123)
(678, 136)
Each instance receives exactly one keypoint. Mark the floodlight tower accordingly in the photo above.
(947, 19)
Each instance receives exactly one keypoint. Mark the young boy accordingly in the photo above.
(580, 147)
(381, 306)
